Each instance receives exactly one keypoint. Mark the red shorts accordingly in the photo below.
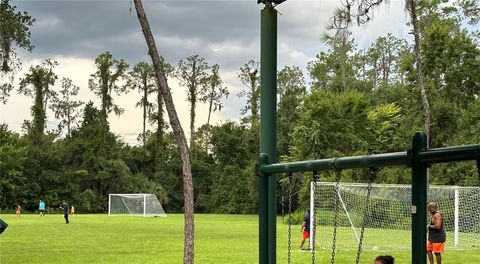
(306, 234)
(435, 247)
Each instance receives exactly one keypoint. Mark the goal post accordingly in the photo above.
(139, 204)
(389, 214)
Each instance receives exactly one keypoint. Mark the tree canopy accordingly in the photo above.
(347, 101)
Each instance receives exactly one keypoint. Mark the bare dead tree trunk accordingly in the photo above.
(254, 97)
(193, 98)
(188, 257)
(145, 102)
(69, 118)
(5, 47)
(411, 6)
(210, 109)
(207, 133)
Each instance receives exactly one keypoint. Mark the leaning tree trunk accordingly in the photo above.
(411, 6)
(188, 256)
(160, 158)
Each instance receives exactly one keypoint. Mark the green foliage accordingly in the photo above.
(64, 107)
(12, 158)
(343, 134)
(37, 84)
(230, 143)
(384, 122)
(358, 102)
(250, 77)
(86, 201)
(192, 74)
(233, 187)
(14, 29)
(230, 193)
(142, 78)
(296, 217)
(291, 90)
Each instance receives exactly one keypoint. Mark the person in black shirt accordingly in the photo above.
(436, 234)
(66, 211)
(305, 228)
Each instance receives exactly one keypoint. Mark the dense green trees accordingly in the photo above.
(291, 92)
(358, 101)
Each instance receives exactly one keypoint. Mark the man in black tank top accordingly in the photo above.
(436, 234)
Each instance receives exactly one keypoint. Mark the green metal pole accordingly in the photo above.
(268, 132)
(419, 200)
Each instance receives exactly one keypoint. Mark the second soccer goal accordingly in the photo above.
(138, 204)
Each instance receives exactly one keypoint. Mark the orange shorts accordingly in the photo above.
(435, 247)
(306, 234)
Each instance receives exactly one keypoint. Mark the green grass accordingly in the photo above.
(219, 239)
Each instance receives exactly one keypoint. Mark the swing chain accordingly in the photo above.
(289, 219)
(314, 218)
(335, 216)
(372, 175)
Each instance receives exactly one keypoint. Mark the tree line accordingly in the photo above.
(358, 101)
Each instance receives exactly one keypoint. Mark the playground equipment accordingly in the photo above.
(418, 158)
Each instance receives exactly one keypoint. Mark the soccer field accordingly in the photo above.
(124, 239)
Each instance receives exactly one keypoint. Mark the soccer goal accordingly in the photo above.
(388, 218)
(135, 204)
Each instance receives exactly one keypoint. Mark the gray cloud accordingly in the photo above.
(223, 32)
(86, 29)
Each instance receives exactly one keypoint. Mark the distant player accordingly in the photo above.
(18, 210)
(72, 210)
(384, 260)
(305, 228)
(436, 234)
(41, 208)
(66, 211)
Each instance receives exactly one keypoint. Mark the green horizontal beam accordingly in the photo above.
(405, 158)
(450, 154)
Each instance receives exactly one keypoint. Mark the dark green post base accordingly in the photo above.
(419, 200)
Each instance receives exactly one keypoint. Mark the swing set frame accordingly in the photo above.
(418, 158)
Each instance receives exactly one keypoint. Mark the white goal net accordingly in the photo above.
(134, 204)
(388, 218)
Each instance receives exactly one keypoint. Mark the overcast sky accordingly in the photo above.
(225, 32)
